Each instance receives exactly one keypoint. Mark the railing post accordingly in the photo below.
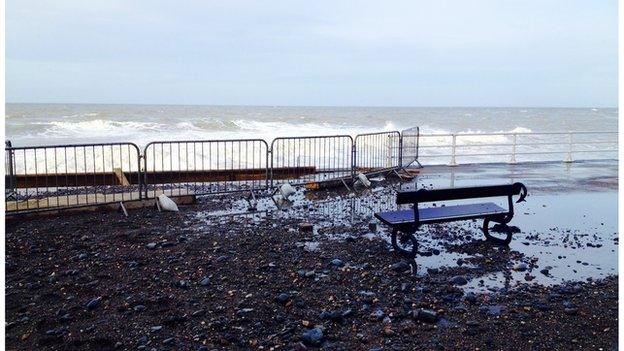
(141, 172)
(513, 161)
(568, 158)
(401, 150)
(11, 188)
(353, 158)
(389, 151)
(270, 157)
(453, 156)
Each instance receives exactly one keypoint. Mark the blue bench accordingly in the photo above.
(405, 223)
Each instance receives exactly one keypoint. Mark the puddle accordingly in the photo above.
(573, 234)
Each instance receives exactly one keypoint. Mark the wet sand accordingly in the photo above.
(215, 276)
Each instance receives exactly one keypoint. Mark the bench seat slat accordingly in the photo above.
(432, 214)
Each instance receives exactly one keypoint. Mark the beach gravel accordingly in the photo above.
(246, 284)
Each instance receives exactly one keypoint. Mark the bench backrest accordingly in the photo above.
(425, 195)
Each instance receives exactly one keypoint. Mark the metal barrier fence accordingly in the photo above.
(410, 144)
(453, 149)
(377, 152)
(312, 159)
(65, 176)
(178, 168)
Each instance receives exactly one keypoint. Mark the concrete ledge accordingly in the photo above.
(110, 207)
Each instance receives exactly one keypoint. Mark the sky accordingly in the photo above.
(560, 53)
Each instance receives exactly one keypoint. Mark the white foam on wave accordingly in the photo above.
(96, 128)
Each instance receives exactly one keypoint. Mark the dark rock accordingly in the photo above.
(372, 226)
(139, 308)
(503, 228)
(378, 314)
(95, 303)
(182, 284)
(401, 266)
(337, 262)
(142, 340)
(427, 316)
(283, 298)
(570, 311)
(205, 282)
(313, 337)
(471, 297)
(472, 323)
(306, 227)
(458, 280)
(222, 258)
(521, 267)
(151, 246)
(334, 316)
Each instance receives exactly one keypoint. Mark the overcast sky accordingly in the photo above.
(368, 53)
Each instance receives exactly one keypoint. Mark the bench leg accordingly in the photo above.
(404, 243)
(492, 239)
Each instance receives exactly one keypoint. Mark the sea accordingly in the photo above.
(47, 124)
(57, 124)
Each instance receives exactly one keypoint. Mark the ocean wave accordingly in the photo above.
(96, 128)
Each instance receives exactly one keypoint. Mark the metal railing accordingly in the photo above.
(453, 149)
(312, 159)
(65, 176)
(377, 152)
(203, 167)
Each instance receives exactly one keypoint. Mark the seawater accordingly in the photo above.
(47, 124)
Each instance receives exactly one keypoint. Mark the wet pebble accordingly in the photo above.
(521, 267)
(425, 315)
(168, 341)
(139, 308)
(95, 303)
(401, 266)
(334, 316)
(337, 262)
(458, 280)
(378, 314)
(182, 284)
(313, 337)
(283, 298)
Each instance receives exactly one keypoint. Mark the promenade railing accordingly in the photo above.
(512, 148)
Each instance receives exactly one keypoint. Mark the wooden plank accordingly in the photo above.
(154, 177)
(121, 177)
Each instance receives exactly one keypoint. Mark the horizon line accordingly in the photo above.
(319, 106)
